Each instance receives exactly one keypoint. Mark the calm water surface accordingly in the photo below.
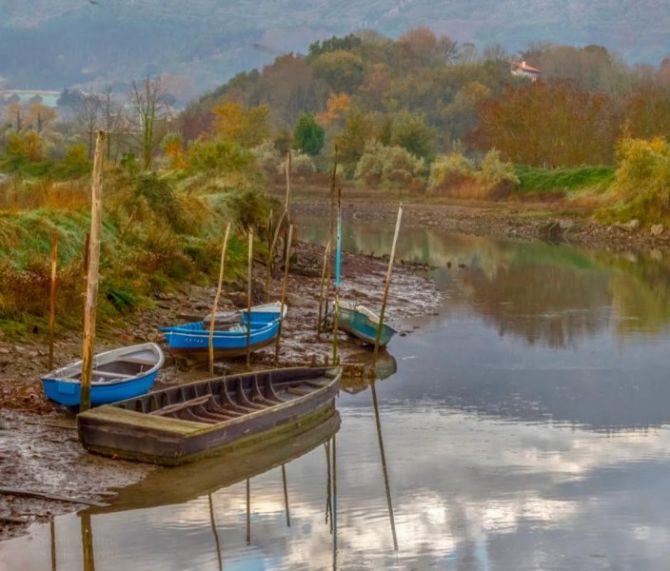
(525, 428)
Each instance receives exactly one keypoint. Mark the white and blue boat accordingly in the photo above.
(230, 336)
(118, 374)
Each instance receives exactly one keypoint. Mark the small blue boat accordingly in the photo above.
(118, 374)
(359, 321)
(230, 338)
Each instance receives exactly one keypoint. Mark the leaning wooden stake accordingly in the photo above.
(212, 321)
(52, 297)
(268, 281)
(92, 275)
(283, 292)
(326, 254)
(331, 227)
(387, 285)
(249, 278)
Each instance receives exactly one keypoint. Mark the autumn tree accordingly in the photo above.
(246, 126)
(410, 131)
(341, 70)
(358, 129)
(336, 105)
(548, 124)
(308, 135)
(88, 118)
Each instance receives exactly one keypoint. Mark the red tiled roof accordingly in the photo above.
(525, 67)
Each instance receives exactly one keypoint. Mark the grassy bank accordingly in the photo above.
(159, 232)
(562, 182)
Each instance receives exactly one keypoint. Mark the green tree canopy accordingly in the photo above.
(308, 135)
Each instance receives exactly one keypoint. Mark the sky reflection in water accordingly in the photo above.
(525, 429)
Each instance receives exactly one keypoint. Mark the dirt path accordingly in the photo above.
(39, 449)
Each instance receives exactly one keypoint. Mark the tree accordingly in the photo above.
(336, 105)
(245, 126)
(410, 131)
(358, 129)
(88, 117)
(341, 70)
(149, 108)
(549, 124)
(308, 135)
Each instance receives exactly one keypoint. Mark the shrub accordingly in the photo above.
(450, 170)
(643, 177)
(388, 166)
(497, 175)
(302, 165)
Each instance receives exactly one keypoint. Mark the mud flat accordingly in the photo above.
(39, 449)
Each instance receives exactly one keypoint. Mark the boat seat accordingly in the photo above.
(110, 374)
(137, 361)
(298, 392)
(172, 408)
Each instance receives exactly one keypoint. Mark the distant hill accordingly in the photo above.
(49, 45)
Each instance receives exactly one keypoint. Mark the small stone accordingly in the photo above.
(633, 224)
(656, 230)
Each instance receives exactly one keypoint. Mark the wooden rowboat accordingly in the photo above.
(117, 375)
(359, 321)
(179, 424)
(191, 340)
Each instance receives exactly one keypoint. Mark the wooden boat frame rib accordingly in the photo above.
(181, 423)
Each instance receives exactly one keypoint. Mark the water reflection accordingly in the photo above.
(525, 427)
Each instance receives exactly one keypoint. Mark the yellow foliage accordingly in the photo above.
(246, 126)
(336, 106)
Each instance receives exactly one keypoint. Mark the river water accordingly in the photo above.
(526, 428)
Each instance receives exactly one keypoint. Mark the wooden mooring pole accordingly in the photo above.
(326, 254)
(92, 275)
(283, 292)
(219, 287)
(52, 297)
(387, 286)
(249, 284)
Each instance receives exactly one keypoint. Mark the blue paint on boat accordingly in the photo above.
(195, 336)
(117, 375)
(68, 393)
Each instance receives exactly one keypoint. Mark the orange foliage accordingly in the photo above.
(336, 106)
(548, 124)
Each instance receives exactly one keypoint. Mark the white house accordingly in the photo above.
(522, 69)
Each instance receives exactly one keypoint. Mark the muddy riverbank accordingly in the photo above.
(39, 449)
(556, 222)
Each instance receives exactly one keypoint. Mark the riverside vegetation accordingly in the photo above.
(420, 115)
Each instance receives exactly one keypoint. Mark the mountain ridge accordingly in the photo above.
(75, 42)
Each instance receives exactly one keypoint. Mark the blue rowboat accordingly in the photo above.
(359, 321)
(230, 334)
(118, 374)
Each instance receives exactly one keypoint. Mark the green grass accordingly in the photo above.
(564, 180)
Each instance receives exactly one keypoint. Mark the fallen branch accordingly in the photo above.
(48, 496)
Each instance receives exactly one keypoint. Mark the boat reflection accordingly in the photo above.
(184, 483)
(382, 368)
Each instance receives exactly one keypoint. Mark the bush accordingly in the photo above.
(643, 177)
(301, 165)
(497, 175)
(388, 166)
(450, 170)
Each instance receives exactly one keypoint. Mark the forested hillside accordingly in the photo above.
(46, 44)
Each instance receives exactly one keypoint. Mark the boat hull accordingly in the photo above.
(119, 374)
(359, 325)
(130, 430)
(69, 394)
(191, 340)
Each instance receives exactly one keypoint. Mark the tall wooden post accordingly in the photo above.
(92, 275)
(326, 253)
(212, 321)
(249, 283)
(52, 297)
(387, 285)
(283, 292)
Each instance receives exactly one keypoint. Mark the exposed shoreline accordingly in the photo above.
(555, 222)
(39, 448)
